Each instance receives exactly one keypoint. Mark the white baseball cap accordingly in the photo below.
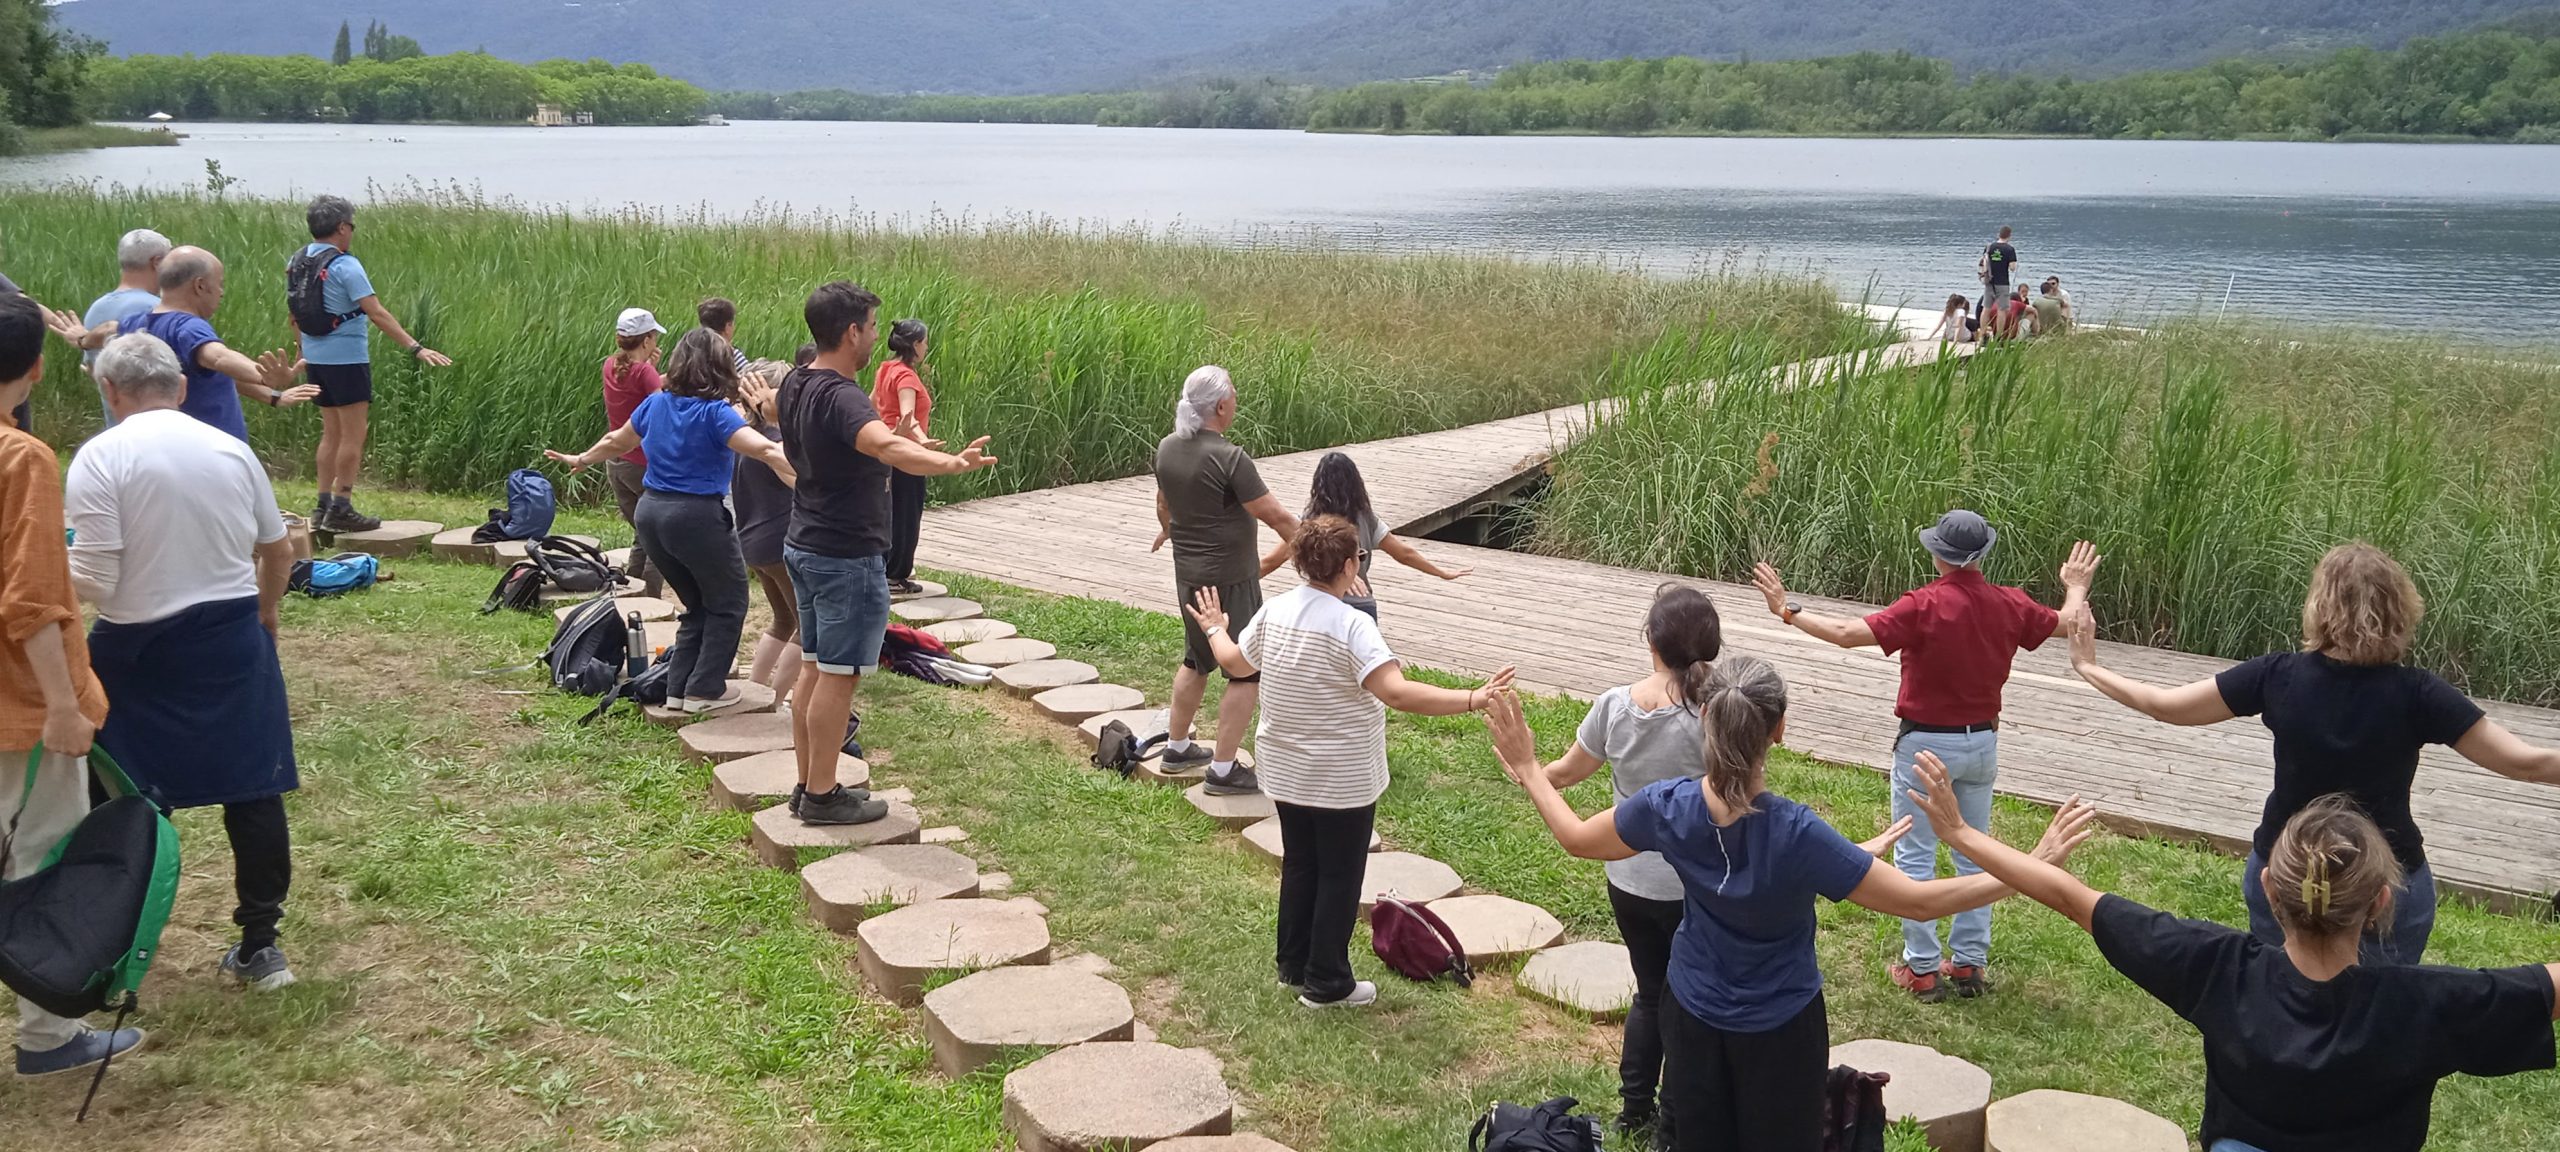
(636, 322)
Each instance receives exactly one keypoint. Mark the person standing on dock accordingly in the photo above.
(337, 347)
(1208, 496)
(1957, 636)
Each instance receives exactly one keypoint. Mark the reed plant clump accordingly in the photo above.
(2212, 467)
(1067, 345)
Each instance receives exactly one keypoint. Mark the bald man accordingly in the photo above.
(218, 378)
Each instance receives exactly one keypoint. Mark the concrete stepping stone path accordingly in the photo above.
(750, 783)
(394, 540)
(1240, 1142)
(934, 609)
(1595, 978)
(1038, 676)
(1006, 652)
(900, 950)
(844, 889)
(1491, 928)
(723, 738)
(1264, 838)
(2046, 1120)
(1093, 1097)
(1071, 704)
(752, 698)
(782, 841)
(975, 630)
(1407, 877)
(972, 1020)
(650, 608)
(1947, 1096)
(1234, 813)
(456, 544)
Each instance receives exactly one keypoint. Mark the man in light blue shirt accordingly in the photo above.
(338, 355)
(138, 257)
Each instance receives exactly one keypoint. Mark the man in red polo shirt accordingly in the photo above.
(1957, 635)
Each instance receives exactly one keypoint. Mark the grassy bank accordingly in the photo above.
(515, 933)
(1068, 347)
(2211, 465)
(86, 136)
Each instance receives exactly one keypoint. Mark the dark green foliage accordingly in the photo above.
(1212, 103)
(340, 53)
(463, 86)
(43, 71)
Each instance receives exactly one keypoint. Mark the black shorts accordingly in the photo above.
(342, 384)
(1239, 601)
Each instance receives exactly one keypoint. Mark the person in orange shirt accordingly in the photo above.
(50, 703)
(899, 393)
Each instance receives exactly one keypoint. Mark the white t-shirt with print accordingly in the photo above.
(1322, 739)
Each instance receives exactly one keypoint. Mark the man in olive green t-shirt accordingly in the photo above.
(2051, 319)
(1208, 497)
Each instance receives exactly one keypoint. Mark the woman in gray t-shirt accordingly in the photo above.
(1338, 490)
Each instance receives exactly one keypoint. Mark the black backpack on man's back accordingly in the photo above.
(306, 279)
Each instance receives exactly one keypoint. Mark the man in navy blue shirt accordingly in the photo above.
(218, 378)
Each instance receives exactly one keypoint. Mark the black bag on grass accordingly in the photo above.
(1549, 1127)
(519, 587)
(572, 565)
(1119, 750)
(648, 689)
(1853, 1115)
(590, 649)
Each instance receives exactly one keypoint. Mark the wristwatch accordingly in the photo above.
(414, 349)
(275, 397)
(1788, 614)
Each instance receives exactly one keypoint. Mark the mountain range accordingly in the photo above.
(1012, 46)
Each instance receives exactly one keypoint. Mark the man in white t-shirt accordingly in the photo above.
(177, 541)
(1321, 747)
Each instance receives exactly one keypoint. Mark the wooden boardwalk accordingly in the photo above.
(1575, 627)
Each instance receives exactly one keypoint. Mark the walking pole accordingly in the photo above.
(2226, 296)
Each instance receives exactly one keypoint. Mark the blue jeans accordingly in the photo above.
(2234, 1146)
(2413, 917)
(844, 609)
(1972, 760)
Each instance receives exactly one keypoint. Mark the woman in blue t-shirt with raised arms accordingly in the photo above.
(1747, 1037)
(688, 432)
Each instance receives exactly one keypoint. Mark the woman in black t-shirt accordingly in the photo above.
(2348, 717)
(2304, 1049)
(763, 505)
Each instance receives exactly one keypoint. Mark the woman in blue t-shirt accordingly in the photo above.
(688, 432)
(1746, 1035)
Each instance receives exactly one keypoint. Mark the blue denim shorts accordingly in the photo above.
(844, 609)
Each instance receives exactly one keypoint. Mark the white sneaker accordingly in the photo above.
(1363, 994)
(698, 704)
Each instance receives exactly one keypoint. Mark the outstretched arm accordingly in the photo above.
(2189, 704)
(266, 380)
(1575, 766)
(753, 445)
(1387, 683)
(1267, 509)
(1405, 554)
(1595, 838)
(2489, 745)
(878, 442)
(2039, 877)
(390, 325)
(610, 445)
(1848, 633)
(2078, 573)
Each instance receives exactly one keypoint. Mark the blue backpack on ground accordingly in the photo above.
(530, 507)
(335, 575)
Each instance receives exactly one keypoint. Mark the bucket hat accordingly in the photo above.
(1960, 538)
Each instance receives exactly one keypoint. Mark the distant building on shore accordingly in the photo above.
(552, 116)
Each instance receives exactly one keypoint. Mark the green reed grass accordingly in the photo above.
(1066, 345)
(2211, 465)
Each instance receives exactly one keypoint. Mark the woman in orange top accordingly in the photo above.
(899, 393)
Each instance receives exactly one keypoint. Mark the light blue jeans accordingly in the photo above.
(1972, 760)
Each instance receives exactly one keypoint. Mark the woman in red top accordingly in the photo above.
(630, 375)
(899, 393)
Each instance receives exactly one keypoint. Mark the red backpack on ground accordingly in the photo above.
(1414, 941)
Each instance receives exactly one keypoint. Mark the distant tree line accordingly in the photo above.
(389, 81)
(1217, 103)
(44, 72)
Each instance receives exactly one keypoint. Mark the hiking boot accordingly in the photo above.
(1925, 987)
(85, 1049)
(841, 806)
(263, 970)
(797, 791)
(1362, 995)
(1968, 980)
(343, 517)
(1198, 755)
(322, 511)
(1239, 781)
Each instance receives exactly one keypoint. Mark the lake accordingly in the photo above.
(2457, 238)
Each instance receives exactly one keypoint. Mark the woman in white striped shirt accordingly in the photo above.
(1321, 746)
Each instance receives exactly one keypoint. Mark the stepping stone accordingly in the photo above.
(782, 841)
(972, 1020)
(394, 540)
(1240, 1142)
(946, 834)
(1264, 838)
(618, 557)
(1038, 676)
(1008, 651)
(1116, 1095)
(929, 590)
(974, 630)
(995, 883)
(650, 608)
(723, 738)
(1407, 877)
(456, 544)
(934, 609)
(900, 949)
(2046, 1120)
(1142, 722)
(1491, 928)
(1947, 1096)
(752, 698)
(1071, 704)
(749, 783)
(1592, 977)
(1234, 813)
(845, 888)
(1084, 962)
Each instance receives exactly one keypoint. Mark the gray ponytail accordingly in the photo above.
(1742, 701)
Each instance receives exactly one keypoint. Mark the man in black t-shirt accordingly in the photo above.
(836, 546)
(1997, 262)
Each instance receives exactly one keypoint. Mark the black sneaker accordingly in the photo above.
(1198, 755)
(1239, 781)
(905, 588)
(350, 520)
(797, 791)
(1635, 1126)
(842, 806)
(323, 511)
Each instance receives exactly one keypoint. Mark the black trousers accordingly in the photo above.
(906, 521)
(1324, 852)
(1747, 1091)
(690, 539)
(624, 477)
(261, 867)
(1647, 927)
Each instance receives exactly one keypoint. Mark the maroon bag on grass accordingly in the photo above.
(1417, 943)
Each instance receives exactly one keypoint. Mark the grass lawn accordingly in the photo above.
(517, 933)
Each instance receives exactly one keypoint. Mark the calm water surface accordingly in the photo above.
(2455, 238)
